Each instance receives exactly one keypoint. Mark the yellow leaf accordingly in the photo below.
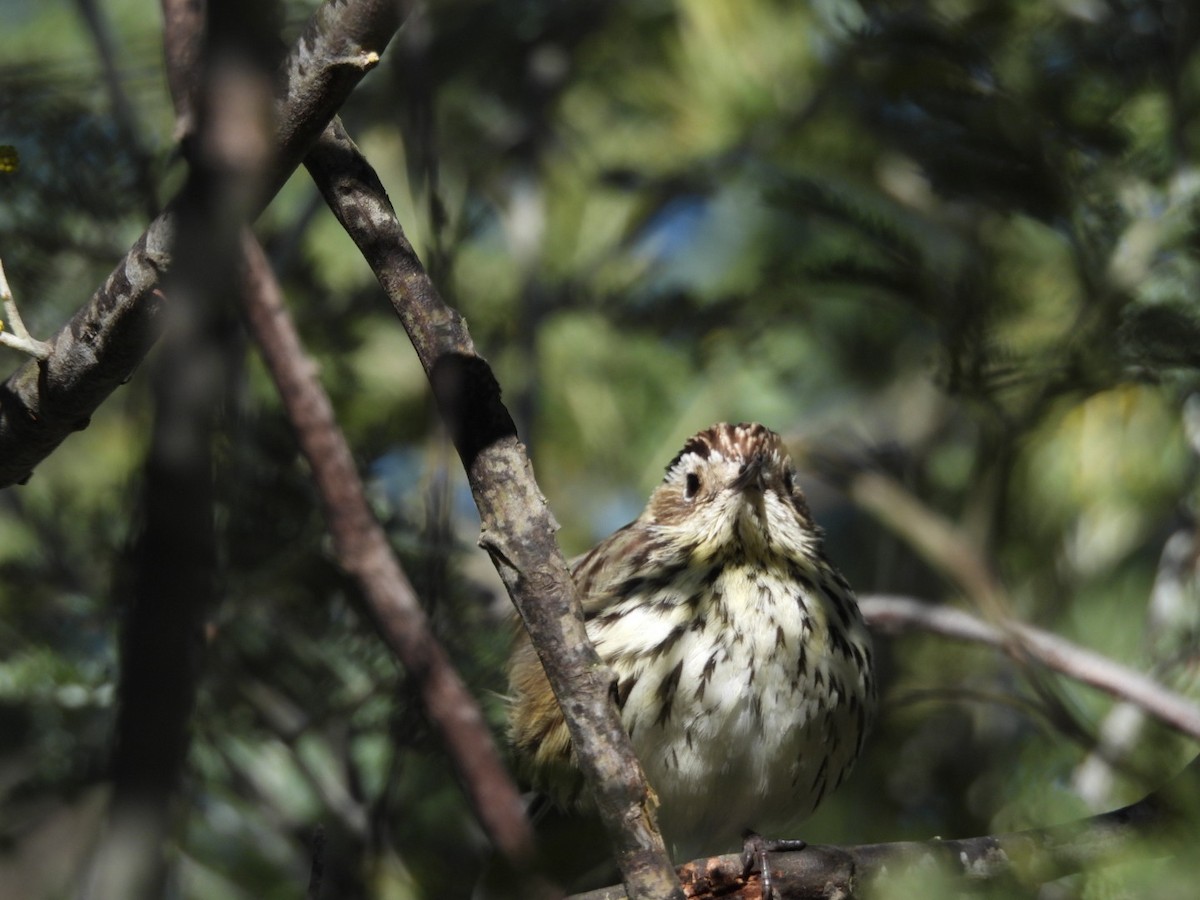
(9, 160)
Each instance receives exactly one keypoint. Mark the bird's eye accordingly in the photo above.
(692, 485)
(788, 483)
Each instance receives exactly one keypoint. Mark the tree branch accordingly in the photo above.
(1028, 858)
(363, 550)
(99, 348)
(183, 33)
(942, 546)
(517, 528)
(174, 557)
(896, 614)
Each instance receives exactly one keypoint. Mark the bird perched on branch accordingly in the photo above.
(743, 668)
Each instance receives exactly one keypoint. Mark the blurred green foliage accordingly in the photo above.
(951, 241)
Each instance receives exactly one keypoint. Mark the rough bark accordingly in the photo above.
(518, 530)
(99, 348)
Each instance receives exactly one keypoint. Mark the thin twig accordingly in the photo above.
(362, 549)
(19, 338)
(124, 115)
(518, 530)
(935, 538)
(894, 614)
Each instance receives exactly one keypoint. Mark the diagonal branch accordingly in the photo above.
(935, 538)
(183, 34)
(363, 550)
(943, 546)
(896, 614)
(99, 348)
(517, 528)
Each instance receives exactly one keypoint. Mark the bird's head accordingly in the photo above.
(732, 489)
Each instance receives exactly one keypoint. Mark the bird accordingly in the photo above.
(743, 669)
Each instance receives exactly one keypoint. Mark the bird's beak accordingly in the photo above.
(752, 475)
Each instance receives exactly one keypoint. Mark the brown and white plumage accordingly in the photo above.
(742, 664)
